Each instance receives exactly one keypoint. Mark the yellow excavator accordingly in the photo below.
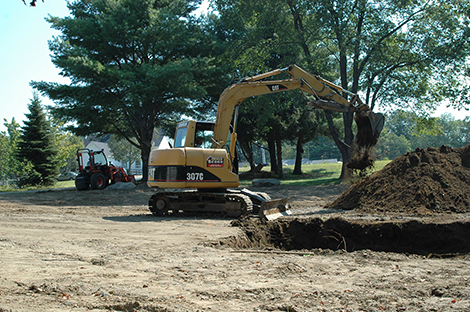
(200, 171)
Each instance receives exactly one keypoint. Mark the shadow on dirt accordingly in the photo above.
(136, 218)
(336, 233)
(74, 198)
(151, 218)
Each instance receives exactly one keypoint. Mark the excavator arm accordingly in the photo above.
(327, 95)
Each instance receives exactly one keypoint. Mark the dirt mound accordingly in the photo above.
(422, 182)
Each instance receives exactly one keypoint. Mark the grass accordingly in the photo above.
(320, 174)
(57, 184)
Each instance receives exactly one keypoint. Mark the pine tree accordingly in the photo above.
(37, 146)
(134, 65)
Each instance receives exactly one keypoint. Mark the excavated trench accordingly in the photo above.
(419, 186)
(413, 237)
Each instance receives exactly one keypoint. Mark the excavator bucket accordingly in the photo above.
(369, 126)
(273, 209)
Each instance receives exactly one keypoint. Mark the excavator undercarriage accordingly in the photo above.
(232, 203)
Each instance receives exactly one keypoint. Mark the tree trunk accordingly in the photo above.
(298, 157)
(145, 148)
(145, 153)
(280, 173)
(343, 148)
(247, 150)
(272, 155)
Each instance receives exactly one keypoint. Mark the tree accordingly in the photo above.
(447, 131)
(308, 125)
(261, 40)
(406, 131)
(258, 122)
(37, 146)
(123, 151)
(248, 134)
(393, 53)
(392, 145)
(133, 65)
(10, 167)
(274, 118)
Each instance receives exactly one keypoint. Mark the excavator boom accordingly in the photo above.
(327, 95)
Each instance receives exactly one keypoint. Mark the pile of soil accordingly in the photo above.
(422, 182)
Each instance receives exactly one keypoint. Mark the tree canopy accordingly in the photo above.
(394, 54)
(11, 169)
(137, 65)
(133, 65)
(407, 130)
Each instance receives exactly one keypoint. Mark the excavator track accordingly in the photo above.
(231, 203)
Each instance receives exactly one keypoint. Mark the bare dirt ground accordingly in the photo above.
(103, 251)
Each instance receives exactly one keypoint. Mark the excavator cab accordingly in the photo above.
(192, 162)
(194, 134)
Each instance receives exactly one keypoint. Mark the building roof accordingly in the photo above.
(98, 146)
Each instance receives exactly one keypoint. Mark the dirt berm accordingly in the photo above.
(422, 182)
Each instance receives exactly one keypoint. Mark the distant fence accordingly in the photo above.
(305, 161)
(135, 171)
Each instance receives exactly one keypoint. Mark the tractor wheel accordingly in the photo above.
(81, 183)
(98, 181)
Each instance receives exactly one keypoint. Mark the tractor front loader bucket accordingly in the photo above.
(273, 209)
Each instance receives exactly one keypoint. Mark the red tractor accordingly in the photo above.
(94, 170)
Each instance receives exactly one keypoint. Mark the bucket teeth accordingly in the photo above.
(273, 209)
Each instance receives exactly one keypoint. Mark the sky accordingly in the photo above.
(25, 56)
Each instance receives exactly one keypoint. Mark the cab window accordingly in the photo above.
(180, 138)
(203, 138)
